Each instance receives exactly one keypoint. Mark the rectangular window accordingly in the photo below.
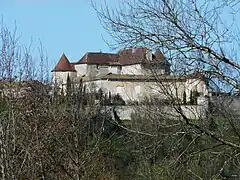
(119, 69)
(138, 89)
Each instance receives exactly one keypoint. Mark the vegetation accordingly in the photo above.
(47, 134)
(72, 137)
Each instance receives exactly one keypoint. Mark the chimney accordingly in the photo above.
(134, 50)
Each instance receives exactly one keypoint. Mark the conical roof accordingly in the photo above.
(64, 65)
(159, 55)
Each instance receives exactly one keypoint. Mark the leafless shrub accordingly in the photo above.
(196, 37)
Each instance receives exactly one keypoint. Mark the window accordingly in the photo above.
(138, 89)
(119, 69)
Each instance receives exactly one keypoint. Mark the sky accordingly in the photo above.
(69, 26)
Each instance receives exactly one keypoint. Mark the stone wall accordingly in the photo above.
(190, 111)
(225, 105)
(132, 69)
(81, 69)
(61, 77)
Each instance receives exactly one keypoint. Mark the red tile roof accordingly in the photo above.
(64, 65)
(123, 57)
(73, 66)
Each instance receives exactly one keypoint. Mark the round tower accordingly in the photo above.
(62, 70)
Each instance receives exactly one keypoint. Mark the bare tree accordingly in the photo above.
(16, 66)
(17, 61)
(190, 32)
(196, 37)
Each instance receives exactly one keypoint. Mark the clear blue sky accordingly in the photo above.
(69, 26)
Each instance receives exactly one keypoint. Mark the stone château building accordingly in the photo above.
(132, 73)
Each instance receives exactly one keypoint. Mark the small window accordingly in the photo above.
(119, 69)
(138, 89)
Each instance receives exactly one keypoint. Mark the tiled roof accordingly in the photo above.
(123, 57)
(98, 58)
(73, 66)
(64, 65)
(132, 56)
(159, 55)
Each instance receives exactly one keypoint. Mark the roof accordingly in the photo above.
(132, 56)
(98, 58)
(159, 55)
(123, 57)
(64, 65)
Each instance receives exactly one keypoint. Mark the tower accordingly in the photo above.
(62, 70)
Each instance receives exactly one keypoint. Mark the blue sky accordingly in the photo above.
(69, 26)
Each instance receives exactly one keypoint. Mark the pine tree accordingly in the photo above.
(69, 86)
(184, 98)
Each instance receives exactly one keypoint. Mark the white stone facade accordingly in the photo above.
(137, 90)
(135, 69)
(81, 69)
(61, 77)
(130, 80)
